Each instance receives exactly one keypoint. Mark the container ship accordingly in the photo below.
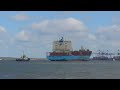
(62, 51)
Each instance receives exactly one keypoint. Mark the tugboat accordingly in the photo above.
(23, 58)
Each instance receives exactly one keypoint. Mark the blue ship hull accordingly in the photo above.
(68, 58)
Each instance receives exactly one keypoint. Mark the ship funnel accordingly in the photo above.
(61, 39)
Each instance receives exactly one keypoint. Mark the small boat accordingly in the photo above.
(117, 57)
(1, 59)
(113, 59)
(23, 58)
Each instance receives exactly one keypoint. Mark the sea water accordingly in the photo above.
(43, 69)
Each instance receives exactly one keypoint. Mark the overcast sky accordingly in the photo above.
(34, 31)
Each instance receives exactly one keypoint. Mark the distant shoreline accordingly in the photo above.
(14, 58)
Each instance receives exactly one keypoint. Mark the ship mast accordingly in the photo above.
(23, 55)
(118, 52)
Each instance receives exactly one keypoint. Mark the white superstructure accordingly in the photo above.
(62, 46)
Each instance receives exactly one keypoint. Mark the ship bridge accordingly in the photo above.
(62, 46)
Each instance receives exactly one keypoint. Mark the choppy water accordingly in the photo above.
(59, 70)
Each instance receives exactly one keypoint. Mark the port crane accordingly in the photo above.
(105, 54)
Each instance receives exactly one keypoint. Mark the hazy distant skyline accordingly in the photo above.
(34, 31)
